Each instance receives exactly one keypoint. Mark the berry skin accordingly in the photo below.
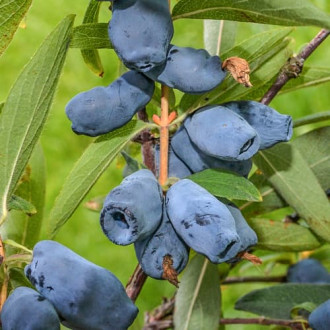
(140, 32)
(246, 234)
(133, 210)
(204, 223)
(189, 70)
(176, 167)
(164, 242)
(103, 109)
(221, 133)
(85, 295)
(308, 271)
(319, 319)
(26, 309)
(271, 126)
(197, 161)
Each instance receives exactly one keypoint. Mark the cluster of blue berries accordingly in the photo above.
(164, 228)
(140, 32)
(226, 136)
(312, 271)
(71, 291)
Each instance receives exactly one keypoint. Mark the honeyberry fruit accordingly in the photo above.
(140, 32)
(133, 210)
(203, 222)
(189, 70)
(198, 161)
(103, 109)
(319, 319)
(221, 133)
(85, 295)
(164, 243)
(26, 309)
(271, 126)
(308, 271)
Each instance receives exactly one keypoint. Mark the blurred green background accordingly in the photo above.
(62, 147)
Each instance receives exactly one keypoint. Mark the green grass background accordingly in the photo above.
(62, 147)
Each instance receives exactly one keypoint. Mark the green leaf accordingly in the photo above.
(132, 165)
(306, 306)
(315, 148)
(17, 245)
(197, 302)
(279, 236)
(291, 176)
(20, 204)
(310, 76)
(219, 36)
(280, 12)
(11, 14)
(94, 161)
(91, 56)
(18, 278)
(90, 36)
(277, 301)
(271, 200)
(266, 53)
(27, 106)
(1, 107)
(25, 229)
(314, 118)
(226, 184)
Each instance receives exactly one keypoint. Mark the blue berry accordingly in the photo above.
(26, 309)
(319, 319)
(140, 32)
(203, 222)
(133, 210)
(189, 70)
(221, 133)
(271, 126)
(103, 109)
(85, 295)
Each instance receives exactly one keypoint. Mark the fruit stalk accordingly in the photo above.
(164, 135)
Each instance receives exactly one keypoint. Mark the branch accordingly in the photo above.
(135, 283)
(251, 279)
(293, 324)
(294, 66)
(4, 287)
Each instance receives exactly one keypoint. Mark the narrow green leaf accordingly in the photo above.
(277, 301)
(18, 278)
(271, 200)
(32, 187)
(310, 76)
(91, 56)
(226, 184)
(11, 14)
(280, 12)
(17, 245)
(291, 176)
(197, 302)
(219, 36)
(132, 165)
(266, 53)
(314, 118)
(20, 204)
(315, 148)
(306, 306)
(90, 36)
(279, 236)
(27, 106)
(88, 169)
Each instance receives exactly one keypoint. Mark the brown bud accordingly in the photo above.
(250, 257)
(239, 69)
